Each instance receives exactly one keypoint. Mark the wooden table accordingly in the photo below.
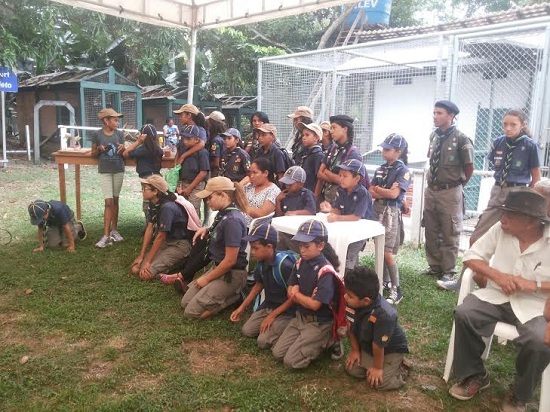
(84, 157)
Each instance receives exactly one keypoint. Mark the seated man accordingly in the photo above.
(518, 284)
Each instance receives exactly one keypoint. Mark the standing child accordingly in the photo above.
(171, 132)
(312, 155)
(302, 114)
(311, 287)
(378, 343)
(194, 171)
(271, 275)
(235, 163)
(215, 144)
(353, 202)
(108, 146)
(56, 225)
(391, 181)
(267, 135)
(326, 141)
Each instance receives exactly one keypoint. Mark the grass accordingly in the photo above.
(98, 339)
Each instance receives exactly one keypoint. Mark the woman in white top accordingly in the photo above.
(261, 192)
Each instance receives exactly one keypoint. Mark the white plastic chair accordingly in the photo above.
(504, 332)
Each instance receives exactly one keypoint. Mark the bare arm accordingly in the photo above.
(70, 237)
(299, 298)
(227, 263)
(535, 176)
(468, 172)
(264, 210)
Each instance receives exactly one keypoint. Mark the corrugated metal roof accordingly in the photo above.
(529, 12)
(68, 76)
(238, 102)
(160, 91)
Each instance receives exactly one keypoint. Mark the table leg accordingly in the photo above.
(62, 187)
(379, 242)
(77, 189)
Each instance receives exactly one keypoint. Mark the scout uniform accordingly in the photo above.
(229, 229)
(512, 161)
(443, 199)
(235, 164)
(336, 156)
(59, 215)
(275, 156)
(216, 149)
(378, 324)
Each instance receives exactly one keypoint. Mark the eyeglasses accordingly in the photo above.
(143, 189)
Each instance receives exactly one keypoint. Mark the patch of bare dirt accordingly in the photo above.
(142, 382)
(221, 357)
(98, 370)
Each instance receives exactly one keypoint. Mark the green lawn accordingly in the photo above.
(97, 339)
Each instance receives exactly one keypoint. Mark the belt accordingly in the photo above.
(445, 186)
(386, 202)
(510, 184)
(315, 318)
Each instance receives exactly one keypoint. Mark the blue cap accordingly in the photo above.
(310, 230)
(394, 141)
(447, 105)
(355, 166)
(263, 231)
(190, 131)
(232, 132)
(37, 210)
(293, 174)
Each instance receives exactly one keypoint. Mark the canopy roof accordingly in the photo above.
(202, 14)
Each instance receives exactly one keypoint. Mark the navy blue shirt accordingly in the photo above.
(59, 215)
(327, 148)
(275, 156)
(303, 200)
(217, 147)
(358, 202)
(305, 275)
(386, 175)
(310, 160)
(235, 164)
(339, 154)
(525, 156)
(229, 232)
(145, 166)
(193, 164)
(169, 217)
(378, 323)
(275, 294)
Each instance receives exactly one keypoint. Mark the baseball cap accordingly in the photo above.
(314, 127)
(292, 175)
(268, 128)
(447, 105)
(103, 113)
(217, 116)
(216, 184)
(190, 131)
(158, 182)
(526, 201)
(232, 132)
(354, 165)
(394, 141)
(301, 111)
(189, 108)
(263, 231)
(310, 230)
(341, 118)
(37, 210)
(325, 125)
(149, 130)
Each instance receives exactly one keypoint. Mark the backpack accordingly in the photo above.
(287, 159)
(338, 305)
(276, 272)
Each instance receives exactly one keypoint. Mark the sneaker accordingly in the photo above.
(116, 236)
(467, 388)
(104, 241)
(337, 350)
(512, 404)
(81, 232)
(395, 296)
(448, 284)
(430, 272)
(387, 286)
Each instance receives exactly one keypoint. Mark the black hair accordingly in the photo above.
(215, 128)
(265, 242)
(520, 114)
(151, 143)
(328, 251)
(265, 165)
(261, 115)
(404, 156)
(199, 120)
(350, 133)
(299, 133)
(168, 119)
(363, 282)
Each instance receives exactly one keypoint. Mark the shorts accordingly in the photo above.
(111, 184)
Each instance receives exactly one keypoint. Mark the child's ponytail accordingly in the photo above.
(329, 252)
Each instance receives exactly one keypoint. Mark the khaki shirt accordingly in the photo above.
(457, 150)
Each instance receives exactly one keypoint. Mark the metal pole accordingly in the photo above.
(4, 156)
(28, 135)
(191, 67)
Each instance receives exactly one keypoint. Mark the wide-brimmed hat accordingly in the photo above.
(188, 108)
(293, 174)
(268, 128)
(325, 125)
(217, 116)
(265, 231)
(314, 127)
(526, 201)
(311, 230)
(301, 111)
(37, 210)
(108, 113)
(157, 181)
(216, 184)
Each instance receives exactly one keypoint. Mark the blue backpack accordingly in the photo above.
(280, 257)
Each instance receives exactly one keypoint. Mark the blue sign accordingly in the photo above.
(8, 80)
